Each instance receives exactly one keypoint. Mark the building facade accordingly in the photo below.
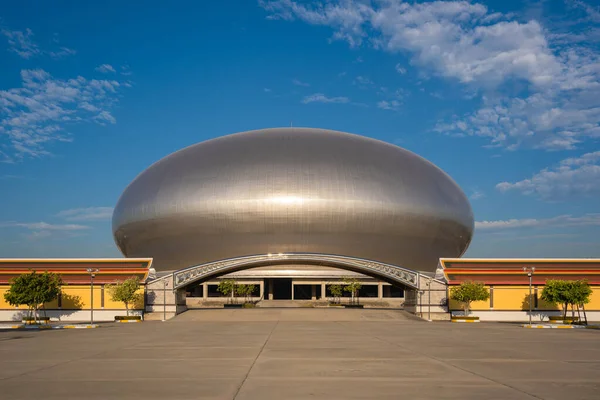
(509, 286)
(77, 296)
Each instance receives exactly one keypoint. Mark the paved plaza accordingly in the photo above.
(300, 354)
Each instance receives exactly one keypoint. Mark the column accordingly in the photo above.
(292, 290)
(205, 290)
(261, 286)
(313, 292)
(380, 290)
(323, 291)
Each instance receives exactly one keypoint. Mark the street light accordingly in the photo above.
(165, 284)
(92, 272)
(428, 300)
(529, 271)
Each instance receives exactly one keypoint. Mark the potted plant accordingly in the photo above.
(466, 293)
(352, 285)
(229, 287)
(336, 292)
(33, 290)
(246, 291)
(126, 292)
(568, 293)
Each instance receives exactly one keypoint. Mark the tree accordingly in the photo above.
(352, 285)
(336, 291)
(468, 292)
(228, 287)
(33, 290)
(556, 292)
(573, 293)
(126, 292)
(246, 291)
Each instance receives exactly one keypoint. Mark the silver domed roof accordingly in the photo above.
(293, 190)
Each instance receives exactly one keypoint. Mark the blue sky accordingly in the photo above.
(504, 96)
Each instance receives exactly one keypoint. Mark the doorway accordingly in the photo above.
(282, 289)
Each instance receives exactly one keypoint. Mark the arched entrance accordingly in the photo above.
(391, 273)
(172, 286)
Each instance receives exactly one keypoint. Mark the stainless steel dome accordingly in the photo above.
(293, 190)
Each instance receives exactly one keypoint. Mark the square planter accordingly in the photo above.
(31, 321)
(131, 318)
(354, 306)
(558, 319)
(464, 319)
(233, 305)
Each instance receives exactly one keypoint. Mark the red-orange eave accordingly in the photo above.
(510, 271)
(74, 271)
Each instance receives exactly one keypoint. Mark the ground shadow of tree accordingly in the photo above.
(536, 314)
(70, 304)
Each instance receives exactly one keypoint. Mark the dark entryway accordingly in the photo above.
(282, 289)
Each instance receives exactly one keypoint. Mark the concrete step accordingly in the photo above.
(288, 303)
(157, 316)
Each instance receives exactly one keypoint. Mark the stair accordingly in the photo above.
(286, 303)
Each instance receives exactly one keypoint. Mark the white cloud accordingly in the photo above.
(561, 221)
(43, 226)
(86, 214)
(106, 69)
(400, 69)
(573, 176)
(125, 70)
(40, 111)
(298, 82)
(363, 81)
(393, 105)
(476, 195)
(537, 93)
(42, 230)
(321, 98)
(62, 52)
(22, 43)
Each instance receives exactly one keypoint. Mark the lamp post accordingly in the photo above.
(529, 271)
(92, 272)
(165, 284)
(429, 300)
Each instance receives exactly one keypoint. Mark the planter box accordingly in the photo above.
(464, 319)
(31, 321)
(248, 305)
(554, 319)
(128, 318)
(233, 305)
(335, 305)
(354, 306)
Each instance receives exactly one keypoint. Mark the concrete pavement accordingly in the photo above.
(298, 354)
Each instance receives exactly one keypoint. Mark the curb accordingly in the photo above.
(43, 327)
(465, 320)
(88, 326)
(559, 326)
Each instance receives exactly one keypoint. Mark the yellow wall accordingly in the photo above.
(511, 297)
(78, 297)
(476, 305)
(594, 303)
(108, 303)
(515, 298)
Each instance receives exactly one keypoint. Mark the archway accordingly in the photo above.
(167, 293)
(387, 272)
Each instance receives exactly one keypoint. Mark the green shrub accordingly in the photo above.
(469, 292)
